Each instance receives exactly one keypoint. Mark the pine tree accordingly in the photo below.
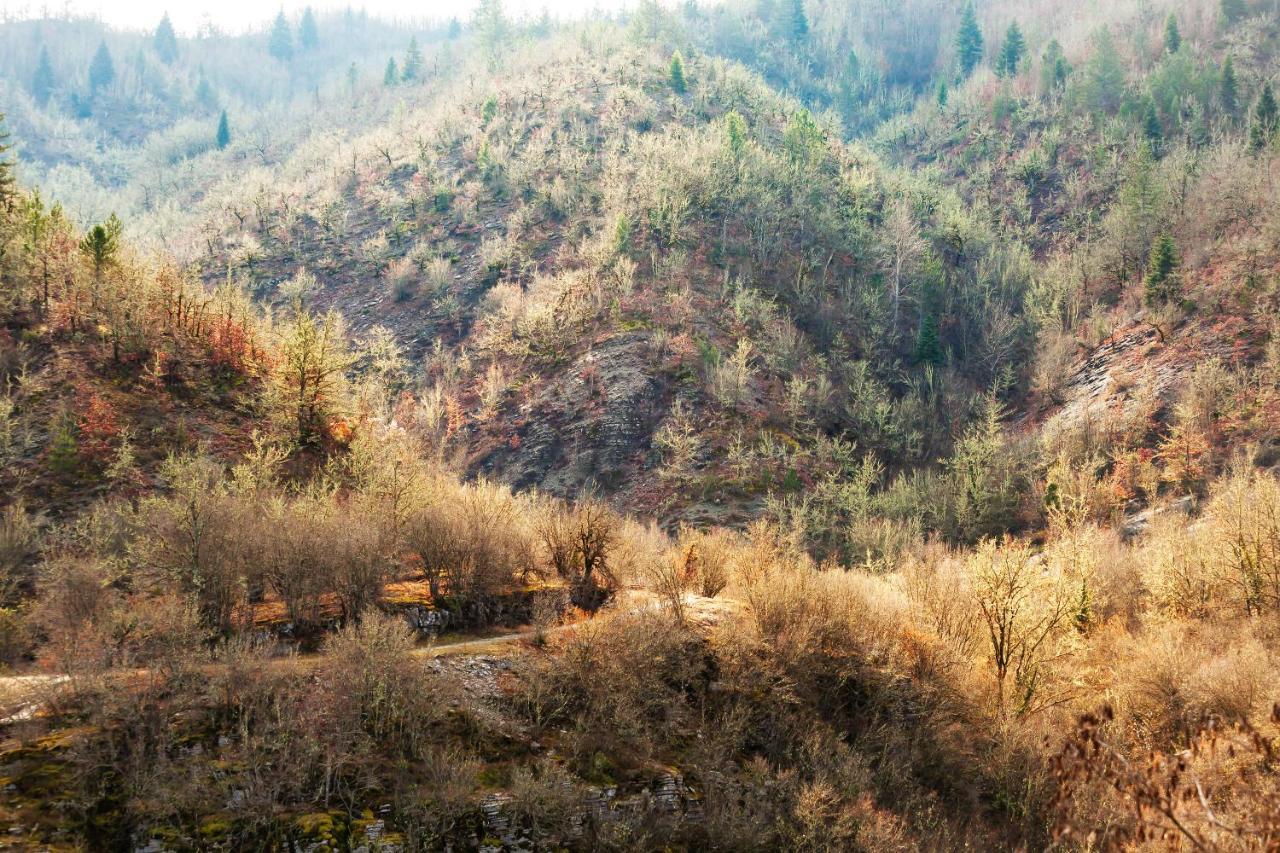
(224, 131)
(102, 71)
(8, 187)
(42, 81)
(1172, 35)
(1151, 127)
(678, 82)
(308, 35)
(280, 44)
(798, 24)
(205, 96)
(942, 93)
(353, 77)
(1264, 119)
(928, 345)
(969, 41)
(1054, 68)
(412, 61)
(1161, 283)
(1011, 53)
(165, 41)
(392, 75)
(1104, 74)
(491, 27)
(1228, 88)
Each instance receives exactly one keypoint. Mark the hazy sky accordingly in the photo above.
(238, 15)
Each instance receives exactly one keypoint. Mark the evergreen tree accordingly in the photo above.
(1264, 119)
(392, 75)
(308, 35)
(1054, 68)
(1151, 127)
(678, 82)
(205, 96)
(165, 41)
(224, 131)
(1172, 35)
(798, 23)
(412, 61)
(455, 29)
(969, 41)
(102, 71)
(8, 186)
(1011, 53)
(1228, 88)
(42, 81)
(942, 93)
(928, 345)
(280, 43)
(353, 77)
(1160, 284)
(492, 28)
(1104, 74)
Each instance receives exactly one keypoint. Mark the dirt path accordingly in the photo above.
(22, 696)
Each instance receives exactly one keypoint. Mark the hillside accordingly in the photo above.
(751, 426)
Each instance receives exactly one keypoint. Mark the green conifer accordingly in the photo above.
(308, 34)
(1172, 35)
(42, 81)
(678, 82)
(102, 71)
(968, 41)
(165, 41)
(224, 131)
(1161, 281)
(412, 61)
(1011, 52)
(280, 43)
(1229, 88)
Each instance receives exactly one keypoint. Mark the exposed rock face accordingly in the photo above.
(590, 424)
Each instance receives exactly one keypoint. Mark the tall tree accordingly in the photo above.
(412, 61)
(1229, 88)
(224, 131)
(102, 71)
(314, 358)
(308, 35)
(797, 22)
(1151, 127)
(280, 43)
(99, 247)
(1054, 68)
(968, 41)
(1264, 118)
(1011, 52)
(1172, 35)
(1160, 284)
(42, 81)
(165, 41)
(492, 29)
(392, 75)
(678, 82)
(1104, 74)
(8, 186)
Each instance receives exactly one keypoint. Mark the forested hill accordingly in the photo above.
(868, 411)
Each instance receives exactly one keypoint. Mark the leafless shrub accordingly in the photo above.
(579, 542)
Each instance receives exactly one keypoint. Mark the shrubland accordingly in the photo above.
(871, 415)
